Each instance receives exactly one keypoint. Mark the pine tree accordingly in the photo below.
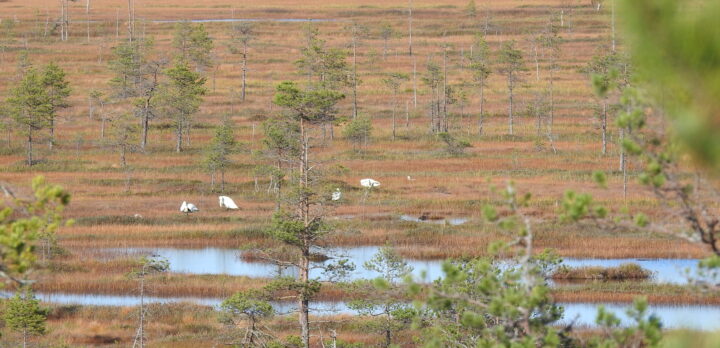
(98, 97)
(130, 59)
(302, 226)
(281, 145)
(24, 315)
(58, 89)
(393, 83)
(136, 80)
(31, 108)
(358, 132)
(250, 307)
(123, 136)
(381, 298)
(217, 154)
(6, 123)
(471, 9)
(433, 79)
(181, 39)
(325, 67)
(194, 44)
(180, 98)
(480, 68)
(21, 227)
(604, 75)
(386, 33)
(552, 41)
(511, 63)
(357, 33)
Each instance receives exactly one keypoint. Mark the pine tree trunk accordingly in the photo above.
(393, 124)
(410, 51)
(30, 147)
(67, 21)
(304, 275)
(51, 140)
(251, 341)
(414, 83)
(510, 106)
(131, 25)
(142, 312)
(222, 180)
(407, 115)
(444, 92)
(244, 72)
(385, 48)
(145, 126)
(91, 109)
(304, 303)
(482, 105)
(47, 23)
(612, 6)
(625, 177)
(123, 163)
(552, 99)
(537, 64)
(62, 23)
(355, 105)
(178, 137)
(117, 24)
(278, 194)
(604, 128)
(187, 128)
(622, 149)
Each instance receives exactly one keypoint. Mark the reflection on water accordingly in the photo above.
(443, 221)
(231, 20)
(697, 317)
(228, 261)
(318, 308)
(119, 300)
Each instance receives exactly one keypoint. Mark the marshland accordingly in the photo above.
(407, 173)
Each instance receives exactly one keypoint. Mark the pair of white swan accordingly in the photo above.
(369, 183)
(225, 202)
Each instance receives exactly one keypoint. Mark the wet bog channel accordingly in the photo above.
(230, 262)
(227, 261)
(695, 317)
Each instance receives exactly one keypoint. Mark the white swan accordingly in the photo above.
(227, 203)
(369, 183)
(336, 195)
(188, 208)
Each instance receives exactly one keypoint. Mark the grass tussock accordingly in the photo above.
(627, 271)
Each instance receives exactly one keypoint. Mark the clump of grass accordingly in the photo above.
(625, 271)
(279, 253)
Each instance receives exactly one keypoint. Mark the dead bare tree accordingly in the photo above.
(241, 35)
(410, 29)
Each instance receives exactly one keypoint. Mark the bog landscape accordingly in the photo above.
(359, 173)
